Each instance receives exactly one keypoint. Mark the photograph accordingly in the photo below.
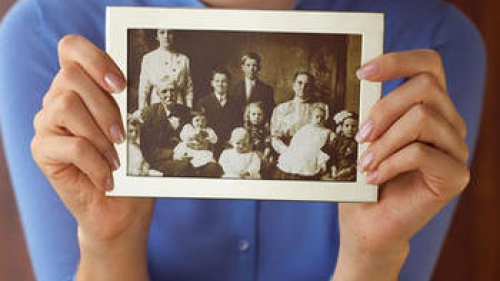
(250, 106)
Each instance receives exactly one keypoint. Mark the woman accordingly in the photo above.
(235, 240)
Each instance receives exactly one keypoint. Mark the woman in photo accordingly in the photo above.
(164, 64)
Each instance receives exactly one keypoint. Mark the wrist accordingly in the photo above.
(122, 257)
(359, 263)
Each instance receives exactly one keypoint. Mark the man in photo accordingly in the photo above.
(224, 112)
(160, 131)
(160, 135)
(252, 88)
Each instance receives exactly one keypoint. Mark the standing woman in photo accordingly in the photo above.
(164, 64)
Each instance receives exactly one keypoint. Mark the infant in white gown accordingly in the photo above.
(304, 155)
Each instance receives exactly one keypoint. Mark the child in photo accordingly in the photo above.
(258, 129)
(344, 149)
(197, 140)
(240, 161)
(136, 165)
(304, 156)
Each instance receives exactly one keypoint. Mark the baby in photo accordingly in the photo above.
(240, 161)
(344, 148)
(305, 156)
(197, 140)
(258, 129)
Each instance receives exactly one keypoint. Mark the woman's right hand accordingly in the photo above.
(75, 132)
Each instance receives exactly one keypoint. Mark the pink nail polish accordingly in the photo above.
(112, 159)
(114, 82)
(367, 71)
(367, 160)
(364, 132)
(116, 133)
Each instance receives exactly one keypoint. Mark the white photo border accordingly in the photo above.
(369, 25)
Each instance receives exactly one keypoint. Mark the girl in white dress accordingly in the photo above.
(240, 161)
(304, 156)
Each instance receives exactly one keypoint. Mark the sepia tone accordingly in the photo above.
(472, 249)
(331, 58)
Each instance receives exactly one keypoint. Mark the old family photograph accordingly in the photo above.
(242, 105)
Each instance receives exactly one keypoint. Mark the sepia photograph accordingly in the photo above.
(251, 106)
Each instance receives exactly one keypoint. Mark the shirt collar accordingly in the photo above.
(219, 97)
(252, 82)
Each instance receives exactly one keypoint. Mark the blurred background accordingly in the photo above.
(472, 248)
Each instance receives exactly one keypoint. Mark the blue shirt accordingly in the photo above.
(214, 239)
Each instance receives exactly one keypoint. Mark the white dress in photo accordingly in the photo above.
(304, 155)
(235, 164)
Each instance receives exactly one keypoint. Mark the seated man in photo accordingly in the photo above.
(160, 132)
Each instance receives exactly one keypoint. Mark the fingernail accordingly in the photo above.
(364, 132)
(114, 82)
(367, 71)
(371, 178)
(112, 158)
(366, 160)
(109, 183)
(116, 133)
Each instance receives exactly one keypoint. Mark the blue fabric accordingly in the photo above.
(214, 239)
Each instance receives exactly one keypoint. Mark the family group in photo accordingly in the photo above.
(234, 132)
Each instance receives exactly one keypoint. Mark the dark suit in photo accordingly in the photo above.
(261, 92)
(222, 119)
(160, 135)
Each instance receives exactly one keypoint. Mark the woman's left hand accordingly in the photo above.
(417, 154)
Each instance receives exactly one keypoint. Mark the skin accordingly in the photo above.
(168, 96)
(256, 115)
(318, 117)
(220, 84)
(242, 143)
(132, 133)
(165, 38)
(302, 86)
(349, 128)
(199, 122)
(250, 69)
(418, 170)
(252, 4)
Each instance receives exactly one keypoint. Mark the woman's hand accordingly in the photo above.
(73, 145)
(417, 154)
